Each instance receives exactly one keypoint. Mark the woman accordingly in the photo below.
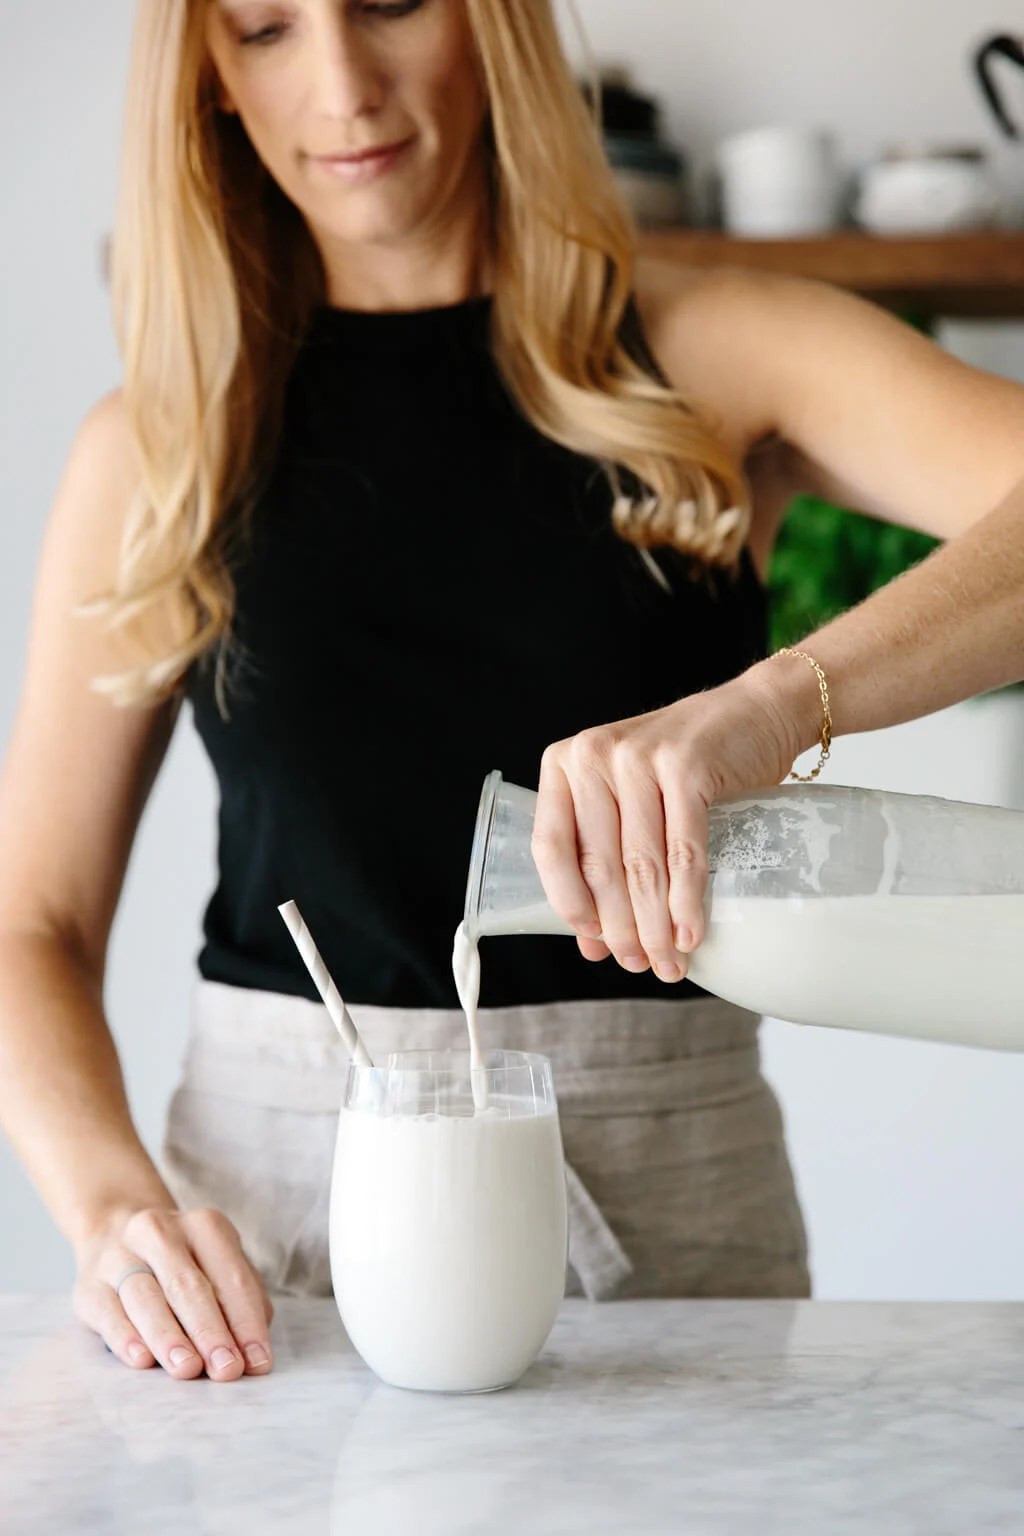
(416, 472)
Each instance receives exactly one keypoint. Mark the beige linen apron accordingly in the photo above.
(679, 1183)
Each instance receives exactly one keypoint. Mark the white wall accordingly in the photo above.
(61, 80)
(876, 70)
(908, 1156)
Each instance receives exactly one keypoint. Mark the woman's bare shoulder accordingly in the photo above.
(702, 324)
(66, 836)
(101, 475)
(105, 442)
(671, 293)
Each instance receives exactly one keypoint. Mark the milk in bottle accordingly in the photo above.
(855, 909)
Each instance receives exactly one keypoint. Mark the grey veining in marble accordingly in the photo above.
(646, 1418)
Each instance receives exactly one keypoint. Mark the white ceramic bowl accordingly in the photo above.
(926, 196)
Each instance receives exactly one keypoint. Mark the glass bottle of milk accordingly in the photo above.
(851, 908)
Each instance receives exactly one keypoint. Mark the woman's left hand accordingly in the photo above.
(620, 836)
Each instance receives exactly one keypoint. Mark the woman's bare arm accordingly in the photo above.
(906, 432)
(75, 781)
(867, 411)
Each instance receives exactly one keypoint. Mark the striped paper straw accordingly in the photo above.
(324, 983)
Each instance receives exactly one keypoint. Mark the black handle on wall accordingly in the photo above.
(1006, 47)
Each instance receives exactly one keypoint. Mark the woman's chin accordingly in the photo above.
(372, 226)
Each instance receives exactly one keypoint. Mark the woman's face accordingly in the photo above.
(367, 113)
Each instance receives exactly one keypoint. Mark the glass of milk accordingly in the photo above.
(449, 1223)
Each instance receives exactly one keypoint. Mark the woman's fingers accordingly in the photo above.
(624, 811)
(176, 1310)
(142, 1304)
(600, 858)
(99, 1308)
(620, 841)
(599, 848)
(203, 1307)
(644, 859)
(577, 847)
(554, 849)
(593, 949)
(686, 855)
(236, 1287)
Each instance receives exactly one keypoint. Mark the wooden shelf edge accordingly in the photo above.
(977, 275)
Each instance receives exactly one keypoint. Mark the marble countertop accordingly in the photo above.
(640, 1418)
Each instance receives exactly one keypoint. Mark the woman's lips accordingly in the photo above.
(366, 165)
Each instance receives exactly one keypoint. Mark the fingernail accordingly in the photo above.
(667, 972)
(256, 1355)
(684, 938)
(222, 1358)
(635, 963)
(137, 1351)
(181, 1356)
(590, 931)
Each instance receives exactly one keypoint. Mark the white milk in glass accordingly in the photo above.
(449, 1232)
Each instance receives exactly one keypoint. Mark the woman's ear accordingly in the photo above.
(214, 91)
(222, 96)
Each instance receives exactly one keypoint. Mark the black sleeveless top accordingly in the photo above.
(430, 589)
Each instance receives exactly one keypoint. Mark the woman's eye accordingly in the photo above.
(386, 9)
(261, 38)
(391, 8)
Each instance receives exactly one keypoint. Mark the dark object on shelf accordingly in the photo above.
(652, 178)
(653, 155)
(651, 174)
(624, 110)
(1006, 47)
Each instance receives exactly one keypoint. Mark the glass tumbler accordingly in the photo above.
(449, 1224)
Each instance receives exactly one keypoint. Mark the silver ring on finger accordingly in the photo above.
(133, 1269)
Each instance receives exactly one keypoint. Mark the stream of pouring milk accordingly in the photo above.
(466, 968)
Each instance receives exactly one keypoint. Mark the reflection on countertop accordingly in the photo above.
(639, 1417)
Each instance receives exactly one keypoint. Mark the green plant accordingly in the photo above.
(827, 559)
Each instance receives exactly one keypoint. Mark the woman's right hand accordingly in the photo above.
(204, 1308)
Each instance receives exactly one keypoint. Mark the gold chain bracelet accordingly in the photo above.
(826, 725)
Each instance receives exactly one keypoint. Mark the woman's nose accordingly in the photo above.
(348, 79)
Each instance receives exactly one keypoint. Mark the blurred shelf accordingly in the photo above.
(963, 276)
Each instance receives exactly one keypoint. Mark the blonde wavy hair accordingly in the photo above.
(215, 276)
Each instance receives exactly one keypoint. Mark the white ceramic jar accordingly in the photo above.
(780, 182)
